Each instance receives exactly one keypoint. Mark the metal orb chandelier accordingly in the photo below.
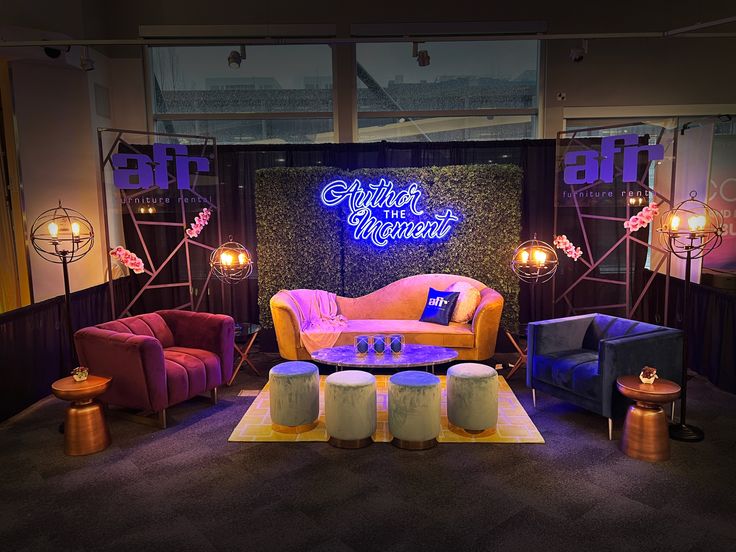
(691, 229)
(62, 235)
(534, 261)
(231, 262)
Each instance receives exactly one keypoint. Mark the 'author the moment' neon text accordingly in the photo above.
(380, 213)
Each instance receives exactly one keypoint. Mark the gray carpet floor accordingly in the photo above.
(187, 488)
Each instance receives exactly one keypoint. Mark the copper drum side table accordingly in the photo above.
(645, 434)
(85, 429)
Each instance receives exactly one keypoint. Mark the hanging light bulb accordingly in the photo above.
(675, 223)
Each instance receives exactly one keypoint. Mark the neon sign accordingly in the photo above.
(380, 213)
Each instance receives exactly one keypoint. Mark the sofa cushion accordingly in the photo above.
(604, 326)
(575, 370)
(439, 306)
(150, 324)
(190, 372)
(415, 331)
(467, 302)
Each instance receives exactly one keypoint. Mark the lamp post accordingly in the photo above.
(62, 236)
(702, 234)
(534, 262)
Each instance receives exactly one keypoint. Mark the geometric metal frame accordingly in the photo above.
(628, 240)
(105, 158)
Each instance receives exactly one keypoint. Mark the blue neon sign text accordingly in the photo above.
(379, 212)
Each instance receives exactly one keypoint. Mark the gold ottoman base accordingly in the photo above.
(350, 443)
(473, 433)
(294, 429)
(414, 445)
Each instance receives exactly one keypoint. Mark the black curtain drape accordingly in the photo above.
(711, 331)
(34, 342)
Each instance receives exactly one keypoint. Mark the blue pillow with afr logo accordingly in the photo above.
(439, 306)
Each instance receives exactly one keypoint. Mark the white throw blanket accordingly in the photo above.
(318, 318)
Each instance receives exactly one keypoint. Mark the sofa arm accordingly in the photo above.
(623, 356)
(202, 330)
(559, 334)
(135, 362)
(286, 324)
(486, 320)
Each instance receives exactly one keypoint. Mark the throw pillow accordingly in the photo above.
(439, 306)
(466, 304)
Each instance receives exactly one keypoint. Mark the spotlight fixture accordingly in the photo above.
(421, 55)
(85, 60)
(235, 58)
(704, 232)
(578, 54)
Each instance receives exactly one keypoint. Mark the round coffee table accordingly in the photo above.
(413, 356)
(85, 429)
(645, 433)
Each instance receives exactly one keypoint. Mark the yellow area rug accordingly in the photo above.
(514, 424)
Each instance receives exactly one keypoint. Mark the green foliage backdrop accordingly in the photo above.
(304, 244)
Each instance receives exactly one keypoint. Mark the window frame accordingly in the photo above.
(345, 114)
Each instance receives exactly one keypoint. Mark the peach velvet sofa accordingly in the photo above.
(396, 308)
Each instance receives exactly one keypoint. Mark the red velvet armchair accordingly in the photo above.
(159, 359)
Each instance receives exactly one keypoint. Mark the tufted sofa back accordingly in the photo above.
(150, 324)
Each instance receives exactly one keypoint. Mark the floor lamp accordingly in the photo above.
(62, 236)
(703, 234)
(534, 262)
(231, 263)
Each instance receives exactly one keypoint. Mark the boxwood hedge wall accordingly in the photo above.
(304, 244)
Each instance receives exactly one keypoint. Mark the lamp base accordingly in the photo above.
(688, 433)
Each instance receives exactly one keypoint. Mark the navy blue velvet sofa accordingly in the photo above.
(577, 359)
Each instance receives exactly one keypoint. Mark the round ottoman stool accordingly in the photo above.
(472, 398)
(350, 408)
(294, 396)
(414, 409)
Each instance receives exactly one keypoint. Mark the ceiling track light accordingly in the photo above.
(85, 60)
(235, 58)
(578, 54)
(422, 56)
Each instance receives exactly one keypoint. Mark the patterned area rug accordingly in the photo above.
(514, 424)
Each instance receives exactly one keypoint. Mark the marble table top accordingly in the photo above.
(411, 357)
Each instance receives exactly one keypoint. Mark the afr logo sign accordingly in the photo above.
(588, 167)
(132, 171)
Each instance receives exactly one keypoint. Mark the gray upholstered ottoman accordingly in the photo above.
(350, 408)
(472, 397)
(414, 409)
(294, 396)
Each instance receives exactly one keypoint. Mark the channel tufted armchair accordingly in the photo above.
(159, 359)
(578, 359)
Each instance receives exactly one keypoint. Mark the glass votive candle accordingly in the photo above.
(379, 344)
(396, 344)
(361, 344)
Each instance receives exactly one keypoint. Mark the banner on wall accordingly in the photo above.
(722, 197)
(161, 221)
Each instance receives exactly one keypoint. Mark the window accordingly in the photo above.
(468, 91)
(283, 93)
(278, 94)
